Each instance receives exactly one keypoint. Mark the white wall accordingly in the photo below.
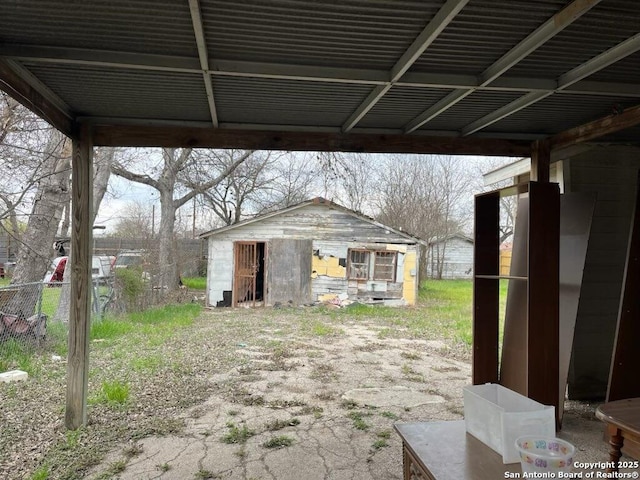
(458, 259)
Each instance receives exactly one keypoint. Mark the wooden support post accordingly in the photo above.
(540, 161)
(486, 292)
(80, 313)
(543, 331)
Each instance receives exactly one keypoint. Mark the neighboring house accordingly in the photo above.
(450, 257)
(314, 251)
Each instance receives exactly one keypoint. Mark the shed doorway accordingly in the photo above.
(248, 277)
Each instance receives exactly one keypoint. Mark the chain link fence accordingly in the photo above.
(34, 316)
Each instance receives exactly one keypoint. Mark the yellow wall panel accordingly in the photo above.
(409, 281)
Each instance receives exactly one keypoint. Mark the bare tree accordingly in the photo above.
(236, 195)
(52, 195)
(346, 178)
(178, 177)
(134, 222)
(294, 178)
(421, 195)
(23, 137)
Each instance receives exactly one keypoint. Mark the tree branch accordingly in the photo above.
(120, 171)
(198, 189)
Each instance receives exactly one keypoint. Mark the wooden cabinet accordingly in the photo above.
(445, 451)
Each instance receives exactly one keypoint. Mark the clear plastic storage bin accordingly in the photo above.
(497, 416)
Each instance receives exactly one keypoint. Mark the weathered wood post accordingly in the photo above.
(80, 314)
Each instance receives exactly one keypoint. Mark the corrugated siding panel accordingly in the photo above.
(603, 27)
(145, 26)
(286, 102)
(127, 93)
(482, 32)
(560, 112)
(401, 105)
(626, 70)
(345, 33)
(473, 107)
(611, 173)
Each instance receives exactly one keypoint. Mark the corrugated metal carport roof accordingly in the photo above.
(516, 70)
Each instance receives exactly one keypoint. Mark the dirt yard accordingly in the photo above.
(293, 393)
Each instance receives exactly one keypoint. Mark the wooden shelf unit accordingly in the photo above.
(542, 283)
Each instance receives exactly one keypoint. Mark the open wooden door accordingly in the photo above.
(289, 271)
(245, 273)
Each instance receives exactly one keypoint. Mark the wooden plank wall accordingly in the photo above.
(333, 233)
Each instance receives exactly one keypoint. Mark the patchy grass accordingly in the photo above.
(378, 444)
(237, 434)
(195, 283)
(358, 420)
(165, 358)
(41, 473)
(114, 392)
(390, 415)
(280, 424)
(278, 442)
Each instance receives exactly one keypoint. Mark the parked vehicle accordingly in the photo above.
(100, 268)
(130, 259)
(55, 274)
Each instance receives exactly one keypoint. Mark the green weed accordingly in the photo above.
(321, 329)
(237, 434)
(205, 475)
(41, 473)
(378, 444)
(280, 424)
(115, 392)
(278, 442)
(390, 415)
(358, 420)
(148, 363)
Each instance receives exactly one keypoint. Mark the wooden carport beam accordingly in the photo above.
(174, 136)
(80, 311)
(604, 126)
(540, 161)
(34, 95)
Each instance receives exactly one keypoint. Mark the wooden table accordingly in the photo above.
(622, 419)
(445, 451)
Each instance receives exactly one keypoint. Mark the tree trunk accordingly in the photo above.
(167, 267)
(36, 249)
(101, 174)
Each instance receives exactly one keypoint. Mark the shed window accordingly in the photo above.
(359, 264)
(372, 265)
(385, 266)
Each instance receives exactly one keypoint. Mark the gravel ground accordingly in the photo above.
(231, 366)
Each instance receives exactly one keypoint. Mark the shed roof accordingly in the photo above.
(454, 76)
(314, 201)
(446, 238)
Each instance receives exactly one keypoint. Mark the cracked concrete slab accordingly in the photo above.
(394, 396)
(301, 409)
